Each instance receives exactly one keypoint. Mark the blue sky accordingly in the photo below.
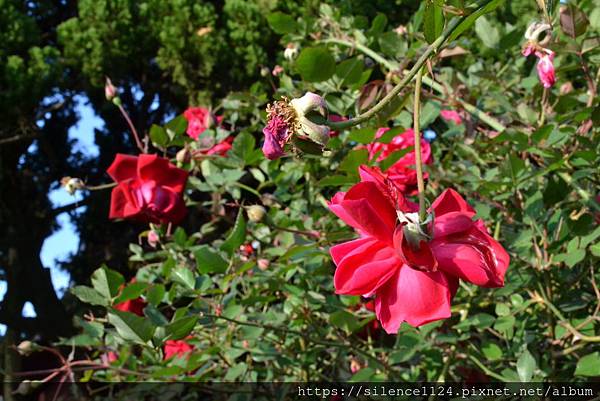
(65, 241)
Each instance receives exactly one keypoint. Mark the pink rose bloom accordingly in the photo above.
(545, 68)
(199, 120)
(401, 173)
(401, 141)
(451, 115)
(410, 268)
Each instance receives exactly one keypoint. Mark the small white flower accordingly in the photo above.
(290, 52)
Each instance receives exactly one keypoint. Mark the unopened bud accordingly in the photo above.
(72, 184)
(183, 156)
(290, 52)
(277, 70)
(25, 348)
(256, 213)
(264, 71)
(109, 90)
(153, 238)
(27, 386)
(263, 264)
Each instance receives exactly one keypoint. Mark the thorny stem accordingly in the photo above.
(492, 122)
(99, 187)
(405, 81)
(418, 161)
(138, 142)
(590, 81)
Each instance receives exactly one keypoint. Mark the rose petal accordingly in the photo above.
(450, 201)
(371, 210)
(159, 169)
(363, 265)
(124, 167)
(414, 297)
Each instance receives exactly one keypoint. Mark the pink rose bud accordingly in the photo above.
(109, 90)
(545, 68)
(263, 264)
(277, 70)
(354, 366)
(153, 238)
(451, 115)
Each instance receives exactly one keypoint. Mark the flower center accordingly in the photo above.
(414, 230)
(281, 110)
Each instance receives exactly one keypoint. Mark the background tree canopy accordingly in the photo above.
(524, 156)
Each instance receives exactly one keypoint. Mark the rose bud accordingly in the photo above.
(255, 213)
(183, 156)
(263, 264)
(153, 238)
(72, 184)
(109, 90)
(290, 52)
(26, 347)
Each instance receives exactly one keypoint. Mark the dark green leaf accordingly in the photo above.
(282, 23)
(237, 235)
(209, 261)
(315, 64)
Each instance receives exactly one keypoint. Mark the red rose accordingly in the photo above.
(149, 188)
(412, 274)
(401, 172)
(199, 120)
(221, 148)
(133, 305)
(177, 348)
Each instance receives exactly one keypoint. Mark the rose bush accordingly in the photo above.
(484, 270)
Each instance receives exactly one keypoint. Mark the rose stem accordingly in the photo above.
(418, 161)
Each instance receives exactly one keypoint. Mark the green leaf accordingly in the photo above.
(237, 235)
(243, 147)
(107, 282)
(344, 320)
(589, 365)
(433, 23)
(315, 64)
(209, 261)
(176, 126)
(525, 366)
(502, 309)
(282, 23)
(131, 291)
(235, 371)
(159, 136)
(363, 375)
(131, 327)
(183, 276)
(89, 295)
(156, 294)
(491, 351)
(350, 71)
(353, 160)
(181, 327)
(470, 20)
(488, 33)
(362, 135)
